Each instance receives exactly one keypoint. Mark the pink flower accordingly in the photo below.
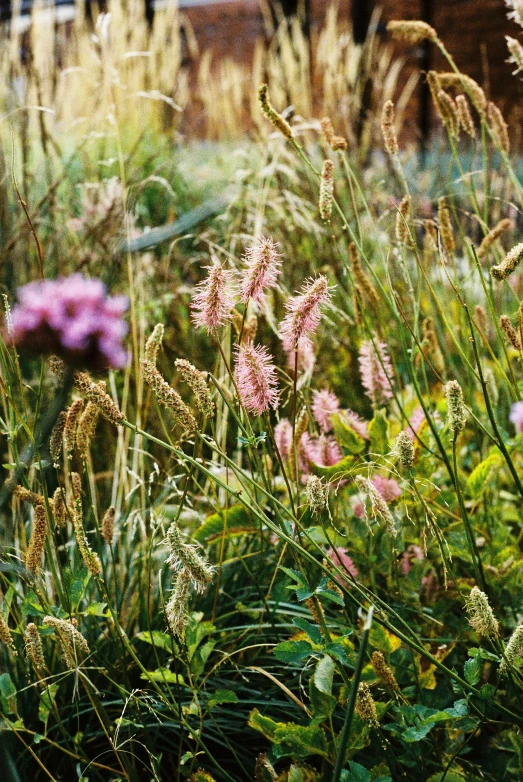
(339, 557)
(387, 487)
(376, 372)
(324, 450)
(212, 305)
(256, 378)
(359, 425)
(324, 405)
(516, 416)
(304, 312)
(358, 506)
(306, 357)
(74, 318)
(416, 420)
(262, 269)
(283, 438)
(409, 556)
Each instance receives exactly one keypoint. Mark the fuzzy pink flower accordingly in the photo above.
(339, 557)
(358, 506)
(387, 487)
(412, 553)
(359, 425)
(283, 437)
(324, 405)
(212, 305)
(516, 416)
(324, 450)
(256, 378)
(261, 270)
(415, 422)
(304, 312)
(376, 372)
(306, 357)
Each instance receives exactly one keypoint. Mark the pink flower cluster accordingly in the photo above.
(387, 487)
(74, 318)
(256, 378)
(516, 416)
(376, 371)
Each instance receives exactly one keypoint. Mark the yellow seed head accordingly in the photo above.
(412, 32)
(388, 131)
(509, 264)
(445, 228)
(500, 228)
(499, 127)
(35, 549)
(271, 114)
(326, 190)
(464, 116)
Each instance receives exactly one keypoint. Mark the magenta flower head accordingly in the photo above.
(256, 378)
(324, 405)
(212, 306)
(74, 318)
(376, 372)
(304, 312)
(262, 267)
(516, 416)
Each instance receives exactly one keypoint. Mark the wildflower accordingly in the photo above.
(212, 305)
(516, 11)
(261, 270)
(71, 422)
(302, 359)
(488, 240)
(73, 318)
(509, 263)
(154, 343)
(516, 416)
(499, 127)
(404, 450)
(445, 227)
(513, 651)
(90, 558)
(34, 648)
(271, 114)
(256, 378)
(388, 131)
(299, 444)
(95, 393)
(176, 607)
(197, 381)
(304, 312)
(339, 557)
(86, 428)
(317, 494)
(108, 524)
(516, 53)
(384, 673)
(35, 549)
(71, 639)
(326, 190)
(412, 553)
(283, 438)
(376, 371)
(168, 397)
(365, 705)
(324, 405)
(412, 31)
(6, 636)
(402, 220)
(460, 81)
(362, 279)
(379, 507)
(510, 332)
(358, 424)
(464, 116)
(185, 557)
(481, 616)
(322, 450)
(448, 113)
(455, 408)
(387, 487)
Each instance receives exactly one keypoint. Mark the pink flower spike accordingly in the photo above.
(212, 305)
(516, 416)
(283, 437)
(376, 372)
(324, 405)
(256, 378)
(306, 357)
(262, 268)
(387, 487)
(359, 425)
(339, 557)
(304, 312)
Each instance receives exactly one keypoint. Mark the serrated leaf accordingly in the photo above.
(345, 434)
(158, 639)
(478, 479)
(357, 773)
(476, 651)
(299, 741)
(312, 631)
(324, 674)
(222, 696)
(472, 670)
(382, 639)
(295, 575)
(292, 651)
(231, 521)
(379, 433)
(162, 676)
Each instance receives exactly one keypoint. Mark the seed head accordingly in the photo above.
(464, 116)
(445, 227)
(34, 649)
(215, 298)
(317, 494)
(402, 220)
(71, 639)
(185, 557)
(324, 405)
(361, 277)
(169, 398)
(379, 507)
(154, 343)
(271, 114)
(197, 381)
(448, 112)
(510, 332)
(336, 143)
(59, 509)
(499, 127)
(384, 673)
(388, 131)
(487, 242)
(256, 378)
(56, 439)
(513, 651)
(481, 615)
(71, 423)
(90, 558)
(95, 393)
(404, 450)
(326, 190)
(516, 54)
(464, 83)
(176, 607)
(6, 637)
(412, 32)
(304, 312)
(108, 524)
(262, 267)
(456, 418)
(86, 428)
(35, 549)
(365, 705)
(509, 264)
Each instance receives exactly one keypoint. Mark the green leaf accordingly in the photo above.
(479, 477)
(472, 670)
(292, 651)
(324, 674)
(345, 434)
(222, 696)
(7, 694)
(158, 639)
(231, 521)
(295, 575)
(162, 676)
(299, 741)
(264, 725)
(322, 705)
(75, 583)
(357, 773)
(335, 471)
(97, 609)
(379, 433)
(201, 656)
(47, 703)
(476, 651)
(312, 631)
